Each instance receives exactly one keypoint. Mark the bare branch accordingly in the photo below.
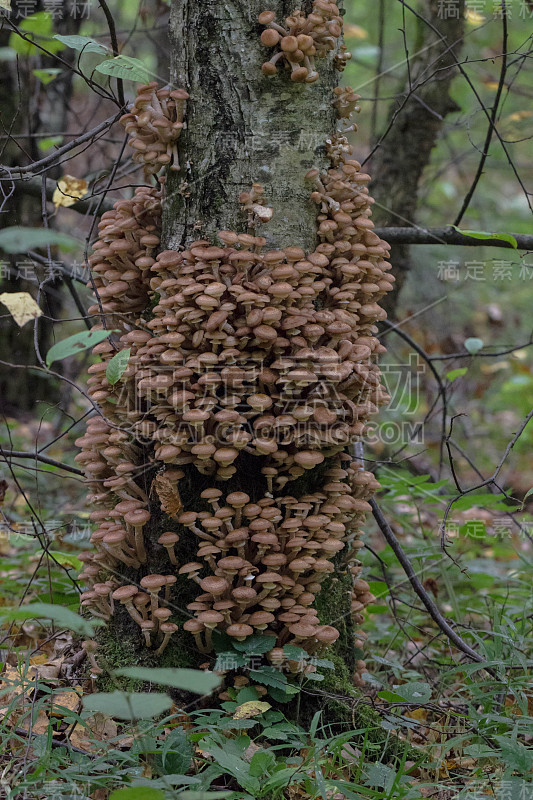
(448, 235)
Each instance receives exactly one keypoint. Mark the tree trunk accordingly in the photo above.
(243, 127)
(418, 116)
(24, 109)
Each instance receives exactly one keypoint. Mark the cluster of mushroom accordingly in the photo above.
(124, 252)
(346, 103)
(235, 352)
(259, 564)
(302, 39)
(154, 125)
(267, 353)
(266, 561)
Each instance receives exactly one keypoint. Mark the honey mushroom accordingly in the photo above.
(303, 39)
(154, 125)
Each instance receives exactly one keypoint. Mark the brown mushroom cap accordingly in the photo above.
(327, 634)
(137, 517)
(214, 585)
(168, 627)
(153, 582)
(302, 631)
(239, 630)
(125, 592)
(168, 538)
(193, 626)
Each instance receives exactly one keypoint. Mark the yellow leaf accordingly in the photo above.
(474, 17)
(420, 714)
(69, 190)
(40, 659)
(21, 305)
(251, 709)
(67, 700)
(354, 31)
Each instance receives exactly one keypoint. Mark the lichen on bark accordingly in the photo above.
(242, 127)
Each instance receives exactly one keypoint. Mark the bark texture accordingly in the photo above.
(242, 127)
(399, 163)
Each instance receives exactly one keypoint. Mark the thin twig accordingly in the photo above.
(5, 454)
(432, 609)
(492, 120)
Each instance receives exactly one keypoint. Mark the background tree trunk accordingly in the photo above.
(31, 113)
(418, 113)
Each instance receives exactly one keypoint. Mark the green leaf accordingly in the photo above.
(246, 695)
(49, 142)
(261, 762)
(325, 663)
(65, 559)
(496, 501)
(285, 694)
(177, 753)
(126, 705)
(74, 344)
(256, 644)
(294, 653)
(117, 366)
(456, 373)
(46, 76)
(39, 28)
(473, 344)
(503, 237)
(415, 691)
(527, 494)
(391, 697)
(380, 775)
(83, 43)
(234, 765)
(125, 67)
(18, 239)
(190, 795)
(63, 617)
(190, 680)
(137, 793)
(269, 676)
(519, 757)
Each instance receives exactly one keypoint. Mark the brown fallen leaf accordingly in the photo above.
(168, 494)
(65, 701)
(40, 725)
(49, 671)
(97, 731)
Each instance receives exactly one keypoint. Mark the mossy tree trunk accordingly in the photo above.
(242, 127)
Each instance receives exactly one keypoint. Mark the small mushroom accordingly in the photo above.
(167, 628)
(168, 540)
